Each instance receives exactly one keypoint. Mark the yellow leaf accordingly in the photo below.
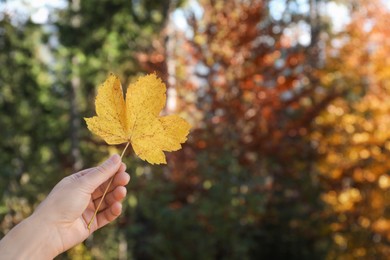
(137, 119)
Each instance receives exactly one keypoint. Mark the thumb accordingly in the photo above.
(98, 175)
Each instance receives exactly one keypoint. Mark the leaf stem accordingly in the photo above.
(105, 191)
(124, 150)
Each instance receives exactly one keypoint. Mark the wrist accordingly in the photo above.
(30, 239)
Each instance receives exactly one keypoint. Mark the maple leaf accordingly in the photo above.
(136, 120)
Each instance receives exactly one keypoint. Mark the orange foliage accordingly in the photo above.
(354, 132)
(310, 132)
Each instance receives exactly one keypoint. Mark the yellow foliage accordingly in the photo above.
(384, 182)
(344, 201)
(136, 119)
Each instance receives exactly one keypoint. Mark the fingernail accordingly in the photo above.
(115, 158)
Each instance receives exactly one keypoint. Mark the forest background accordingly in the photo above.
(288, 157)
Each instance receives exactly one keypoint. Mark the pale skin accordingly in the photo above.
(60, 221)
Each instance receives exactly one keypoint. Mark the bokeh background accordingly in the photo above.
(289, 100)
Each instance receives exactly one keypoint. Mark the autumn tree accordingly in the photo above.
(247, 175)
(352, 135)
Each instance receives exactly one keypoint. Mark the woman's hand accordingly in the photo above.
(60, 221)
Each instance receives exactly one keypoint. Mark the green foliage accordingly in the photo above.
(215, 220)
(32, 142)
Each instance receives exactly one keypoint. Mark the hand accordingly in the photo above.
(60, 221)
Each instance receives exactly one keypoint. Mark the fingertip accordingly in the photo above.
(128, 178)
(100, 174)
(116, 209)
(120, 193)
(124, 191)
(109, 214)
(115, 158)
(122, 168)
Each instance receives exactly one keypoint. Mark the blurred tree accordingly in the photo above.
(116, 31)
(97, 38)
(353, 135)
(246, 178)
(32, 123)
